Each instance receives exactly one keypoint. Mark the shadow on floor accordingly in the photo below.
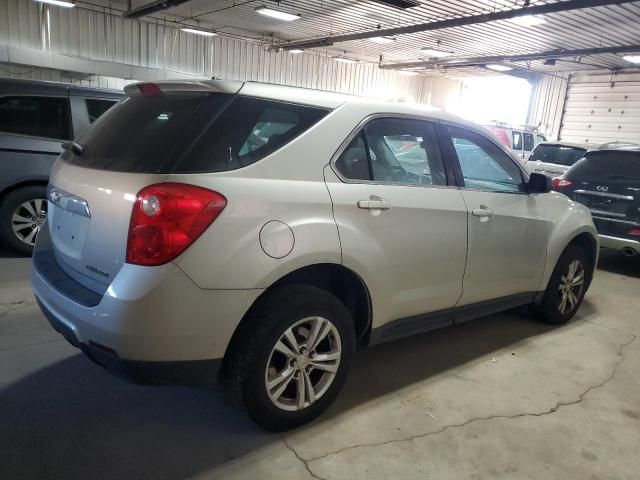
(616, 262)
(72, 420)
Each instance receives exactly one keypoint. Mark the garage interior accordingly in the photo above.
(500, 397)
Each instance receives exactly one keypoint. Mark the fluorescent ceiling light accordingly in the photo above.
(529, 20)
(432, 53)
(295, 50)
(58, 3)
(498, 68)
(345, 60)
(407, 72)
(382, 39)
(199, 32)
(632, 58)
(277, 14)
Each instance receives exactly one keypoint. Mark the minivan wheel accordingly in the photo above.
(566, 288)
(22, 214)
(291, 357)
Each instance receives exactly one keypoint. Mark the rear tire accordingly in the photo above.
(274, 352)
(566, 288)
(22, 213)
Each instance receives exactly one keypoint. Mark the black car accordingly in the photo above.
(35, 119)
(608, 182)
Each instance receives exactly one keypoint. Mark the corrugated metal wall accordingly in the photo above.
(602, 108)
(104, 37)
(547, 101)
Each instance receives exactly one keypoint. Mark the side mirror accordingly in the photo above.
(539, 183)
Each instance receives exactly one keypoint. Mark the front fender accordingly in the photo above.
(569, 219)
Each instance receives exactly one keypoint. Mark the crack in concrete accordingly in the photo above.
(304, 462)
(558, 406)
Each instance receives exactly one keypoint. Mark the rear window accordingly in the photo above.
(191, 132)
(607, 165)
(558, 154)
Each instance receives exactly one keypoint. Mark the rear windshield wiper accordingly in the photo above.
(74, 147)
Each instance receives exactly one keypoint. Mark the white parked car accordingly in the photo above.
(521, 141)
(555, 158)
(261, 233)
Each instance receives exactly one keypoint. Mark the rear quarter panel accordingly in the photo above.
(26, 159)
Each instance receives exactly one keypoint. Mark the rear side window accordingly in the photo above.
(528, 142)
(607, 165)
(558, 154)
(96, 107)
(46, 117)
(190, 132)
(517, 141)
(394, 150)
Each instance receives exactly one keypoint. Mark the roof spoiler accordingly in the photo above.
(158, 88)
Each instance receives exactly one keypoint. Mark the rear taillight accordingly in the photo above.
(560, 182)
(167, 218)
(635, 232)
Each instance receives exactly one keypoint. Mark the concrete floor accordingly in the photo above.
(502, 397)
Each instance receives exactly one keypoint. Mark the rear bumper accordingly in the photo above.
(197, 372)
(150, 322)
(617, 243)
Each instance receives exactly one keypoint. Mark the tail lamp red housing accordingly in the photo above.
(560, 182)
(167, 218)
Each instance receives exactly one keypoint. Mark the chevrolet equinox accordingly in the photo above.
(259, 234)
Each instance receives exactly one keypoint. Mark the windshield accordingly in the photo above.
(558, 154)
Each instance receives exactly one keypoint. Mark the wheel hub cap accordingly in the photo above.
(303, 363)
(28, 218)
(571, 285)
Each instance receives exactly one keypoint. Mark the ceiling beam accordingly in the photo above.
(526, 57)
(561, 6)
(152, 7)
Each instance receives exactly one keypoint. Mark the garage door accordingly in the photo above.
(602, 108)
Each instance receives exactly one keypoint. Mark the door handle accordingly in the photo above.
(482, 212)
(374, 203)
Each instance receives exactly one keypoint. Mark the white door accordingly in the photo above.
(401, 227)
(508, 228)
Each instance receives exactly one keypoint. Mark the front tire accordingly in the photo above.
(22, 214)
(291, 356)
(566, 288)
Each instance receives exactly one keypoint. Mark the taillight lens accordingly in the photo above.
(167, 218)
(635, 232)
(560, 182)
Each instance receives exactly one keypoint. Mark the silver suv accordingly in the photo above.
(261, 233)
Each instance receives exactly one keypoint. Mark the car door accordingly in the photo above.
(401, 226)
(508, 228)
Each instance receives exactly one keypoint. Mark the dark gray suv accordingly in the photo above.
(35, 119)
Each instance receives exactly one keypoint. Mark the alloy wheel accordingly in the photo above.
(28, 218)
(571, 285)
(303, 363)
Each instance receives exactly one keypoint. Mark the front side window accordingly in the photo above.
(540, 139)
(528, 142)
(46, 117)
(484, 166)
(393, 150)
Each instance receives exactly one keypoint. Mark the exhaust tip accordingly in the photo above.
(629, 252)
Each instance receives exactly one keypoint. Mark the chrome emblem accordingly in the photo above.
(602, 188)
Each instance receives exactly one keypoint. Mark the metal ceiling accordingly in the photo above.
(603, 26)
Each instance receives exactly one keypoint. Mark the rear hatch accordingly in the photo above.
(554, 160)
(608, 182)
(91, 193)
